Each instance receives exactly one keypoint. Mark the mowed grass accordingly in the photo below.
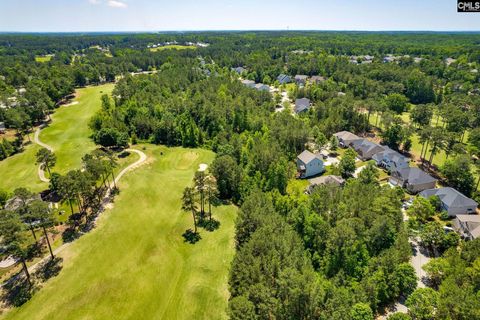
(68, 133)
(173, 46)
(135, 264)
(46, 58)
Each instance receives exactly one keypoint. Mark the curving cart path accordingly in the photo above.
(36, 139)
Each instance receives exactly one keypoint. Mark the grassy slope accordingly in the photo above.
(68, 134)
(135, 264)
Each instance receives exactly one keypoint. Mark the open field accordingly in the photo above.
(173, 46)
(135, 264)
(43, 58)
(68, 134)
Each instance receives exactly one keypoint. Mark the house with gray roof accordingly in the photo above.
(301, 79)
(366, 148)
(317, 79)
(391, 159)
(261, 87)
(452, 201)
(467, 225)
(249, 83)
(283, 78)
(345, 138)
(309, 164)
(325, 180)
(413, 179)
(302, 105)
(239, 70)
(2, 127)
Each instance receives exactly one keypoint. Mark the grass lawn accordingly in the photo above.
(43, 58)
(175, 47)
(135, 264)
(69, 133)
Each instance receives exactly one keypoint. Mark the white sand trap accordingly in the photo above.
(8, 262)
(71, 104)
(203, 167)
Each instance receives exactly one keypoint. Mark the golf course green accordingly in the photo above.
(135, 264)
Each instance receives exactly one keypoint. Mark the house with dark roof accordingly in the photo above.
(2, 127)
(345, 138)
(366, 148)
(302, 105)
(452, 201)
(283, 78)
(309, 164)
(325, 180)
(301, 79)
(391, 159)
(467, 225)
(413, 179)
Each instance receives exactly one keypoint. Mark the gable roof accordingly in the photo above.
(415, 176)
(248, 83)
(302, 105)
(346, 135)
(306, 157)
(331, 179)
(284, 78)
(471, 223)
(450, 197)
(262, 87)
(239, 70)
(391, 154)
(365, 145)
(317, 79)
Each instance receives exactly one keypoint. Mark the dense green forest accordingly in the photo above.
(339, 253)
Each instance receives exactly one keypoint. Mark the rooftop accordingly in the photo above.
(450, 197)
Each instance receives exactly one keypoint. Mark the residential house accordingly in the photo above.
(389, 59)
(325, 180)
(283, 78)
(317, 79)
(391, 159)
(239, 70)
(309, 164)
(301, 79)
(366, 148)
(249, 83)
(2, 127)
(467, 225)
(341, 94)
(345, 138)
(449, 61)
(302, 105)
(414, 180)
(454, 202)
(262, 87)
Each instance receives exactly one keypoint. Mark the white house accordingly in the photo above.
(309, 164)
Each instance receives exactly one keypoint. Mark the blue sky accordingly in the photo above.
(160, 15)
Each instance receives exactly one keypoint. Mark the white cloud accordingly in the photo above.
(116, 4)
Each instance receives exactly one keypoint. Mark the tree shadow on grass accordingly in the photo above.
(209, 225)
(49, 269)
(17, 291)
(191, 237)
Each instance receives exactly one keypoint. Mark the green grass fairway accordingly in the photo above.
(69, 133)
(175, 47)
(43, 58)
(20, 171)
(135, 265)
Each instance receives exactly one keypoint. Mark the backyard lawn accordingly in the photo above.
(68, 134)
(135, 264)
